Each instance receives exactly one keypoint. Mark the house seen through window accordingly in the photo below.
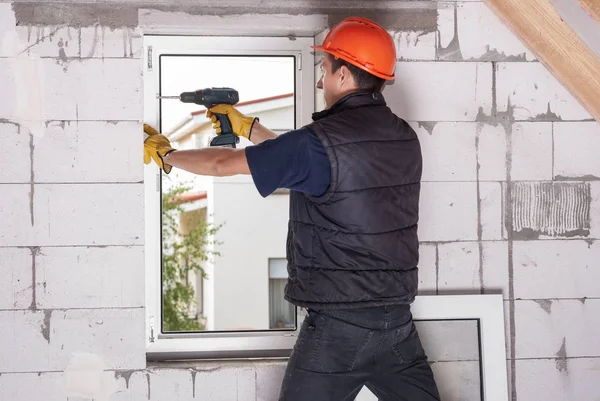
(218, 235)
(282, 314)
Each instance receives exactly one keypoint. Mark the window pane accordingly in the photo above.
(452, 347)
(218, 233)
(282, 314)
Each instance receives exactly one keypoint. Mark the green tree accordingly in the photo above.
(183, 254)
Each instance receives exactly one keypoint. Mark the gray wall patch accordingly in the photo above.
(555, 209)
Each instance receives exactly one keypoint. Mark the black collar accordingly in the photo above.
(351, 101)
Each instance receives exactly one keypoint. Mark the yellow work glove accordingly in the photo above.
(240, 124)
(156, 146)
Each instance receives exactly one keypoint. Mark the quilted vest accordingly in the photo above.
(357, 245)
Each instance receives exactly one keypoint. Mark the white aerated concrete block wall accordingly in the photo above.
(510, 199)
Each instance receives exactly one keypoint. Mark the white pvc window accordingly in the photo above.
(488, 312)
(235, 295)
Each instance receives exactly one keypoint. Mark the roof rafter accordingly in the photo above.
(540, 27)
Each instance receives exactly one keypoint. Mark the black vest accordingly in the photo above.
(356, 245)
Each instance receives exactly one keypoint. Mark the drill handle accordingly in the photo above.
(225, 124)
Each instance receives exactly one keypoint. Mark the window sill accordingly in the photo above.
(212, 365)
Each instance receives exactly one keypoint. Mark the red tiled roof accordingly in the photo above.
(255, 101)
(189, 197)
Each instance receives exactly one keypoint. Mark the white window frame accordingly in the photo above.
(209, 345)
(487, 309)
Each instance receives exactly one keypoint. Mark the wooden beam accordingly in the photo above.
(556, 45)
(592, 7)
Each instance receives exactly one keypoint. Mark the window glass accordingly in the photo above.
(282, 314)
(218, 234)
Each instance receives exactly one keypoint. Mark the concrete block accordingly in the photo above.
(491, 152)
(508, 376)
(458, 381)
(534, 94)
(15, 287)
(215, 384)
(556, 269)
(94, 214)
(31, 386)
(86, 377)
(450, 340)
(8, 36)
(448, 211)
(438, 140)
(90, 277)
(558, 380)
(93, 89)
(135, 384)
(576, 150)
(24, 336)
(15, 153)
(490, 198)
(58, 42)
(45, 340)
(269, 377)
(531, 152)
(23, 81)
(459, 268)
(431, 91)
(412, 45)
(104, 42)
(115, 335)
(237, 383)
(471, 31)
(7, 85)
(427, 269)
(90, 152)
(16, 210)
(551, 328)
(495, 267)
(507, 335)
(168, 384)
(319, 99)
(320, 37)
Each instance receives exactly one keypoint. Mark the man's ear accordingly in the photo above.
(346, 75)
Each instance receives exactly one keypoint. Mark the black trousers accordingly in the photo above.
(339, 351)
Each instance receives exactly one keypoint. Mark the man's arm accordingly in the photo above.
(218, 162)
(260, 133)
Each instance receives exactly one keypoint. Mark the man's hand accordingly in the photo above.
(241, 124)
(156, 146)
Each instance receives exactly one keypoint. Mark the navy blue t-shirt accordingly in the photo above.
(295, 160)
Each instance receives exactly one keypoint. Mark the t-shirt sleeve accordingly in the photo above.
(295, 160)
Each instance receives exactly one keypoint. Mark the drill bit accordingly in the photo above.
(167, 97)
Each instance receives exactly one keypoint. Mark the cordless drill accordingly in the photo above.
(211, 97)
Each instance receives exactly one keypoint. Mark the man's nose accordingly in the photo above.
(320, 83)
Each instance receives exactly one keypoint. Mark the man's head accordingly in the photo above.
(340, 78)
(359, 56)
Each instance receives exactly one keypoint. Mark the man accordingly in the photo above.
(354, 176)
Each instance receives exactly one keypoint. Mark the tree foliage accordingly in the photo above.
(182, 255)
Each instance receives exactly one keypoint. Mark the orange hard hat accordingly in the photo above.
(363, 43)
